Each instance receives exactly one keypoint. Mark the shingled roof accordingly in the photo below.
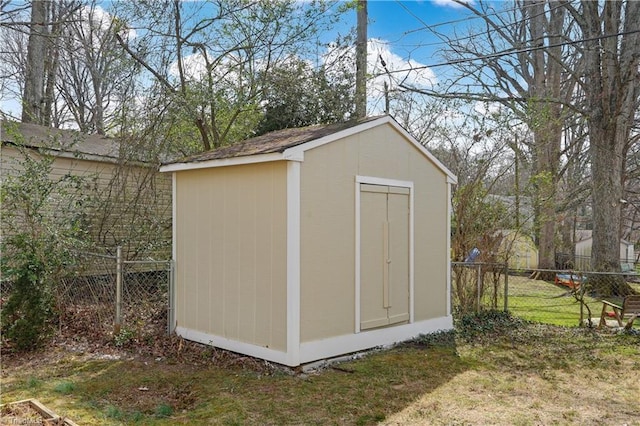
(59, 140)
(272, 142)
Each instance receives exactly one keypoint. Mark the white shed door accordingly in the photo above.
(384, 255)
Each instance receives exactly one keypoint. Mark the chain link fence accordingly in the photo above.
(104, 296)
(478, 286)
(561, 297)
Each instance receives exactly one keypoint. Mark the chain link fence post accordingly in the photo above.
(479, 286)
(118, 319)
(171, 313)
(506, 287)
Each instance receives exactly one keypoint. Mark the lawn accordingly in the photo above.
(546, 302)
(494, 370)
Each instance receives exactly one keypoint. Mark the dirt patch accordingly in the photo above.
(171, 349)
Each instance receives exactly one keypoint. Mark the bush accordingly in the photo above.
(42, 221)
(486, 324)
(26, 316)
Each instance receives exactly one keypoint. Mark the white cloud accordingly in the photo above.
(97, 24)
(106, 20)
(396, 70)
(406, 71)
(450, 3)
(194, 67)
(487, 108)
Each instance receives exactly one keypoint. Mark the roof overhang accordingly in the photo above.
(224, 162)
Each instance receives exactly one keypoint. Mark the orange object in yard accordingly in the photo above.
(569, 280)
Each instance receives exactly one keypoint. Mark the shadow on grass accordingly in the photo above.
(217, 387)
(359, 392)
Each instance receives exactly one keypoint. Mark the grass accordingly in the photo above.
(541, 301)
(361, 392)
(548, 303)
(495, 370)
(64, 388)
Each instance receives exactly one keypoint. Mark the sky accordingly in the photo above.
(398, 33)
(403, 35)
(402, 24)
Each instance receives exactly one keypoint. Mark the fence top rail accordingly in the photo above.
(86, 253)
(502, 265)
(576, 271)
(142, 262)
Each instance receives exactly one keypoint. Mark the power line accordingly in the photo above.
(513, 51)
(484, 16)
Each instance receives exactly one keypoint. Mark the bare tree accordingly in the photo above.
(520, 61)
(35, 74)
(13, 59)
(95, 75)
(611, 55)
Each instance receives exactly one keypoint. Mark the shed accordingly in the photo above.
(518, 249)
(583, 242)
(310, 243)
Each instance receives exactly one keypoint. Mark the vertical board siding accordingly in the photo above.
(231, 254)
(328, 222)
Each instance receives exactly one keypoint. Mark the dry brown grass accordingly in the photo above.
(486, 397)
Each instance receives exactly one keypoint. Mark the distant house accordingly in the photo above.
(135, 200)
(584, 240)
(310, 243)
(518, 250)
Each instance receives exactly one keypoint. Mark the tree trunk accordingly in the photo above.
(546, 121)
(52, 63)
(33, 96)
(613, 89)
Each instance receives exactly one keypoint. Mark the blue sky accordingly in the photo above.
(405, 41)
(399, 26)
(402, 23)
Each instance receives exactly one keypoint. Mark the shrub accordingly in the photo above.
(486, 324)
(42, 221)
(27, 313)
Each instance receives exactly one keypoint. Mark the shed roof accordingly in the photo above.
(276, 141)
(59, 141)
(290, 144)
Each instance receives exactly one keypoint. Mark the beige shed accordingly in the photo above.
(310, 243)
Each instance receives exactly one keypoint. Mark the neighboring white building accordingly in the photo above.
(136, 200)
(583, 241)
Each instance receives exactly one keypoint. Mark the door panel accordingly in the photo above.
(398, 216)
(384, 255)
(372, 218)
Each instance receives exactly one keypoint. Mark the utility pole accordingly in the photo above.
(361, 60)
